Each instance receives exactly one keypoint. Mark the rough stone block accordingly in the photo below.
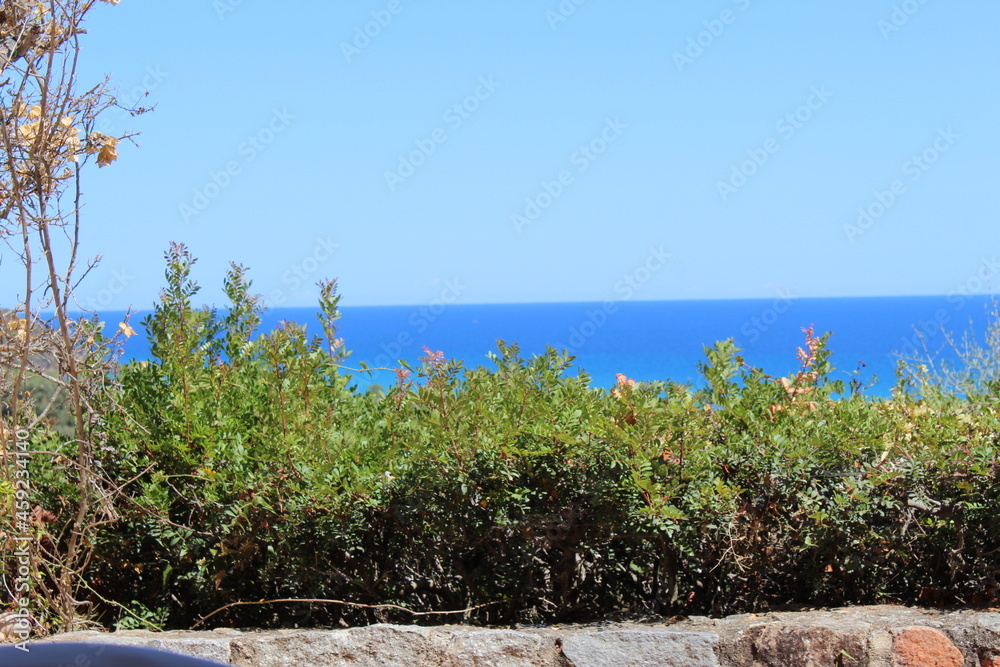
(925, 647)
(500, 648)
(787, 645)
(374, 645)
(198, 645)
(641, 648)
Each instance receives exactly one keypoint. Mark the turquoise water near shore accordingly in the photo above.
(646, 340)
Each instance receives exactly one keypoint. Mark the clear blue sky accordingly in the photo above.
(674, 150)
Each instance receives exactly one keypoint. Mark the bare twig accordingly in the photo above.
(348, 604)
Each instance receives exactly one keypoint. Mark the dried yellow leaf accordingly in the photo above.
(73, 144)
(95, 140)
(126, 329)
(28, 131)
(108, 153)
(35, 112)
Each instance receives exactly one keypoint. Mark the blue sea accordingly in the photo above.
(647, 340)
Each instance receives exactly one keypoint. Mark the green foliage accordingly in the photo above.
(253, 470)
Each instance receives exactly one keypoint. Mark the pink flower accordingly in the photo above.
(431, 357)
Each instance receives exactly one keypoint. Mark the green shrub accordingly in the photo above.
(254, 471)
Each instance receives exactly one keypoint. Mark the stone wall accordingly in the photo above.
(881, 636)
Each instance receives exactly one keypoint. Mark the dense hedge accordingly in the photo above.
(253, 471)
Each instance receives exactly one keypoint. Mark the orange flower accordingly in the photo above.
(623, 381)
(807, 357)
